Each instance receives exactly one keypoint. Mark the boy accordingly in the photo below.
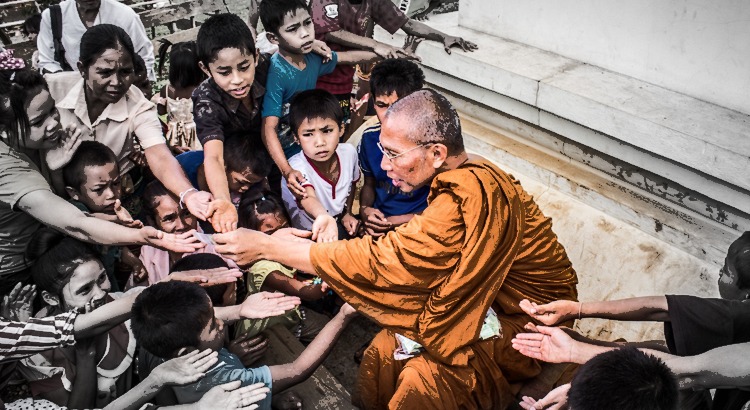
(227, 104)
(293, 69)
(174, 318)
(382, 205)
(92, 181)
(246, 161)
(329, 169)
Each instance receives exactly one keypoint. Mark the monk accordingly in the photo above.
(482, 242)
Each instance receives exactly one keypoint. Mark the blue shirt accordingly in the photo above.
(389, 199)
(190, 162)
(229, 368)
(286, 80)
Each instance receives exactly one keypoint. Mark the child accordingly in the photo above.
(382, 205)
(329, 169)
(173, 318)
(30, 29)
(163, 211)
(141, 77)
(264, 212)
(90, 374)
(92, 181)
(293, 69)
(173, 100)
(227, 104)
(246, 163)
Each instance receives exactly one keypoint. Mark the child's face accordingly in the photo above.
(144, 84)
(171, 219)
(214, 333)
(296, 33)
(233, 71)
(89, 283)
(319, 138)
(44, 121)
(101, 189)
(242, 181)
(270, 223)
(383, 102)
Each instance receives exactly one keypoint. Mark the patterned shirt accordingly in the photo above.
(22, 339)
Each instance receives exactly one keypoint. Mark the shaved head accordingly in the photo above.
(431, 118)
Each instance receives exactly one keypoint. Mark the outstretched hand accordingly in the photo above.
(223, 215)
(550, 344)
(232, 396)
(453, 41)
(262, 305)
(206, 277)
(124, 218)
(16, 305)
(70, 140)
(556, 399)
(198, 202)
(324, 229)
(185, 369)
(182, 243)
(551, 313)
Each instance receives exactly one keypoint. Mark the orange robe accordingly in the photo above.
(481, 242)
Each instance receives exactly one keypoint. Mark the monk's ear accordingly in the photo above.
(437, 153)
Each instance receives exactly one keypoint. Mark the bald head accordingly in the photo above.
(431, 118)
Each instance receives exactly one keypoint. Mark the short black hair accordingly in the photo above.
(739, 254)
(184, 70)
(56, 256)
(623, 379)
(202, 261)
(88, 154)
(223, 31)
(256, 202)
(100, 38)
(168, 316)
(272, 12)
(396, 75)
(247, 153)
(311, 104)
(32, 24)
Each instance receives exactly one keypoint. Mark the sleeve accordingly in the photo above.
(697, 325)
(209, 116)
(274, 97)
(142, 44)
(21, 339)
(147, 126)
(327, 68)
(260, 270)
(356, 175)
(18, 178)
(387, 15)
(363, 151)
(325, 17)
(45, 45)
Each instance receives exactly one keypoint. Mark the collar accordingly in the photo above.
(256, 91)
(75, 100)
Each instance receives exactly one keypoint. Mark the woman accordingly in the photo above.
(100, 101)
(30, 123)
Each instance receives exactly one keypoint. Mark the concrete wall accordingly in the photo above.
(697, 47)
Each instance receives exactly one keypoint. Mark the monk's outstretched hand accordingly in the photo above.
(551, 313)
(243, 246)
(551, 344)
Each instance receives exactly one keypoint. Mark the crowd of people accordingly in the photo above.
(149, 237)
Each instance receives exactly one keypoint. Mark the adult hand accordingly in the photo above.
(231, 396)
(249, 349)
(551, 313)
(242, 245)
(351, 223)
(375, 222)
(453, 41)
(124, 218)
(551, 344)
(324, 229)
(223, 215)
(197, 202)
(58, 157)
(294, 180)
(263, 305)
(206, 277)
(293, 234)
(185, 369)
(556, 399)
(321, 48)
(16, 305)
(182, 243)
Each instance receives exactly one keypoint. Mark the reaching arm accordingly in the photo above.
(648, 308)
(273, 145)
(167, 170)
(418, 29)
(723, 367)
(277, 281)
(351, 40)
(357, 57)
(245, 247)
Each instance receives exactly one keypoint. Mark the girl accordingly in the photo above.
(174, 100)
(95, 371)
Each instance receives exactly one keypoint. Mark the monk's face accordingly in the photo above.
(409, 164)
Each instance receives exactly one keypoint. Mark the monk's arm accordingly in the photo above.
(292, 254)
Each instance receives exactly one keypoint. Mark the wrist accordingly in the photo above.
(184, 195)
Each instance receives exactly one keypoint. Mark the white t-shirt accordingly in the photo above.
(331, 194)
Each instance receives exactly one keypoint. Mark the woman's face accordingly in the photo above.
(89, 283)
(45, 130)
(110, 76)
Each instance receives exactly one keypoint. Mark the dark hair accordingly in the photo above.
(432, 118)
(623, 379)
(168, 316)
(396, 75)
(740, 251)
(272, 12)
(101, 37)
(223, 31)
(154, 190)
(184, 70)
(243, 154)
(32, 24)
(311, 104)
(256, 202)
(139, 66)
(14, 95)
(88, 154)
(202, 261)
(55, 258)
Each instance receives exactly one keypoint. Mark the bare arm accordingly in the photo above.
(351, 40)
(169, 172)
(214, 169)
(357, 57)
(104, 318)
(245, 247)
(723, 367)
(272, 143)
(651, 308)
(277, 281)
(418, 29)
(367, 193)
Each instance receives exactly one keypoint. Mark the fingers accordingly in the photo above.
(202, 365)
(231, 385)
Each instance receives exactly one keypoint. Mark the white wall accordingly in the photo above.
(697, 47)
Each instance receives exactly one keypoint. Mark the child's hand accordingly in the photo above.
(185, 369)
(58, 157)
(554, 400)
(223, 215)
(450, 41)
(230, 396)
(411, 44)
(324, 229)
(320, 48)
(139, 271)
(551, 313)
(17, 305)
(351, 223)
(249, 349)
(198, 202)
(375, 221)
(182, 243)
(294, 180)
(266, 304)
(124, 218)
